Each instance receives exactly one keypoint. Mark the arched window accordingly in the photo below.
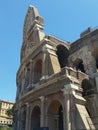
(37, 71)
(95, 55)
(62, 53)
(79, 65)
(35, 117)
(55, 112)
(87, 87)
(97, 63)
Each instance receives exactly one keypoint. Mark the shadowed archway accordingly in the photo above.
(35, 118)
(55, 116)
(62, 53)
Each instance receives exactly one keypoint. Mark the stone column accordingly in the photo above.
(25, 72)
(67, 124)
(44, 64)
(19, 121)
(68, 92)
(42, 119)
(27, 116)
(31, 71)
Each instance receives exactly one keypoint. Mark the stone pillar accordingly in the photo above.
(44, 64)
(19, 120)
(69, 109)
(27, 116)
(42, 119)
(31, 71)
(25, 72)
(67, 124)
(71, 96)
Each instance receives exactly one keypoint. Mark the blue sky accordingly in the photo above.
(65, 19)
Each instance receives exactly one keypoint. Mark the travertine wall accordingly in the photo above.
(56, 81)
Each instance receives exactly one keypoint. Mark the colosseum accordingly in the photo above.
(57, 81)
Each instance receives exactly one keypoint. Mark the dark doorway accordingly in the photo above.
(37, 71)
(79, 65)
(62, 53)
(87, 88)
(60, 118)
(35, 118)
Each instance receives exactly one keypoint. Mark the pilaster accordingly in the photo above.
(44, 64)
(42, 119)
(66, 93)
(31, 71)
(27, 116)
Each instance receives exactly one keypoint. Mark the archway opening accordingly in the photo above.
(79, 65)
(60, 118)
(55, 116)
(97, 64)
(35, 118)
(88, 89)
(37, 71)
(62, 53)
(95, 55)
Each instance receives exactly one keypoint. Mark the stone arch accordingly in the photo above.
(95, 55)
(37, 71)
(79, 65)
(35, 117)
(33, 105)
(55, 115)
(87, 87)
(62, 53)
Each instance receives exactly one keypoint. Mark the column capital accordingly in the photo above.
(44, 48)
(31, 61)
(42, 98)
(71, 88)
(27, 104)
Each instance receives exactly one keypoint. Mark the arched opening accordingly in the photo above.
(55, 116)
(23, 120)
(60, 118)
(79, 65)
(95, 55)
(97, 64)
(62, 53)
(35, 118)
(37, 71)
(87, 88)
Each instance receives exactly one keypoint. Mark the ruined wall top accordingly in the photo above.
(31, 18)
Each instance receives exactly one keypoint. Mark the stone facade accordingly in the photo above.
(4, 119)
(57, 82)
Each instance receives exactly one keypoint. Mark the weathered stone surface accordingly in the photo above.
(57, 83)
